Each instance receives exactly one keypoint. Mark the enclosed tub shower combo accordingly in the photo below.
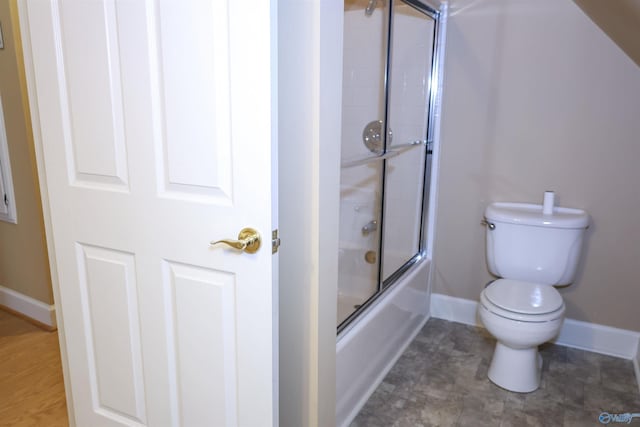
(391, 73)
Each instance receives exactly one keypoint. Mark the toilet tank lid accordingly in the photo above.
(529, 214)
(523, 297)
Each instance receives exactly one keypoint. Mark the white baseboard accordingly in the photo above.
(574, 333)
(599, 338)
(29, 307)
(454, 309)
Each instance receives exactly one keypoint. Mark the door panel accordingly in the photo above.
(148, 113)
(201, 314)
(95, 140)
(203, 131)
(108, 291)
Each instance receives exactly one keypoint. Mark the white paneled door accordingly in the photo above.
(155, 124)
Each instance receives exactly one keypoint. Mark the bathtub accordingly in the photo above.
(368, 348)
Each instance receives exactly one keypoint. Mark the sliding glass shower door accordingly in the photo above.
(408, 99)
(385, 148)
(361, 180)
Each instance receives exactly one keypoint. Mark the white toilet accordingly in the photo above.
(532, 248)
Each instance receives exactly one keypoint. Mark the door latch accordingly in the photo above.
(275, 241)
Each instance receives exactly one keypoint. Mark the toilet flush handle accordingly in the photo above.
(491, 225)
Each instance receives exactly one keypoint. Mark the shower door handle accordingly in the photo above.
(248, 241)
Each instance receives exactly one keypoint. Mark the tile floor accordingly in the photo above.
(441, 380)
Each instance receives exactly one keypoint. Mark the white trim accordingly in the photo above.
(437, 117)
(599, 338)
(11, 214)
(574, 333)
(30, 81)
(29, 307)
(309, 64)
(454, 309)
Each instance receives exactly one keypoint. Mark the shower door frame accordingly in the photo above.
(385, 285)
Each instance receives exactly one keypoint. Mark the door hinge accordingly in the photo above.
(275, 241)
(6, 200)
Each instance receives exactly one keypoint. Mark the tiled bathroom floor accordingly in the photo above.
(441, 380)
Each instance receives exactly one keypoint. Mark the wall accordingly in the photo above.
(537, 97)
(620, 19)
(24, 266)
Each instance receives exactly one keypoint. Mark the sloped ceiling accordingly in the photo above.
(619, 19)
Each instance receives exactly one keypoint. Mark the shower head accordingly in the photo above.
(371, 7)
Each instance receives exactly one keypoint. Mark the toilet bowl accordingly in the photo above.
(521, 316)
(532, 248)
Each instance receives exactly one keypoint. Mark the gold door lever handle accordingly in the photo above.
(248, 240)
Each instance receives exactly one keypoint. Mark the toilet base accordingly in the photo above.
(516, 370)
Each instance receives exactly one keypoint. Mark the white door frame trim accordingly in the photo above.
(5, 173)
(44, 192)
(310, 62)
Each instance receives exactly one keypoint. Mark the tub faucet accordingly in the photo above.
(369, 227)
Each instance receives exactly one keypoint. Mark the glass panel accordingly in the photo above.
(408, 112)
(363, 103)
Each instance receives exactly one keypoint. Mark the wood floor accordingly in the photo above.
(31, 385)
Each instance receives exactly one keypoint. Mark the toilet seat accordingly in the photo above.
(523, 297)
(527, 318)
(523, 301)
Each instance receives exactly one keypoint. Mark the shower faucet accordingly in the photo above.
(369, 227)
(370, 7)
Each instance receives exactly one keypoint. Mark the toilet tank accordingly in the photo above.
(525, 244)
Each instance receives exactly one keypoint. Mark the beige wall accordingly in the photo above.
(620, 19)
(537, 97)
(24, 266)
